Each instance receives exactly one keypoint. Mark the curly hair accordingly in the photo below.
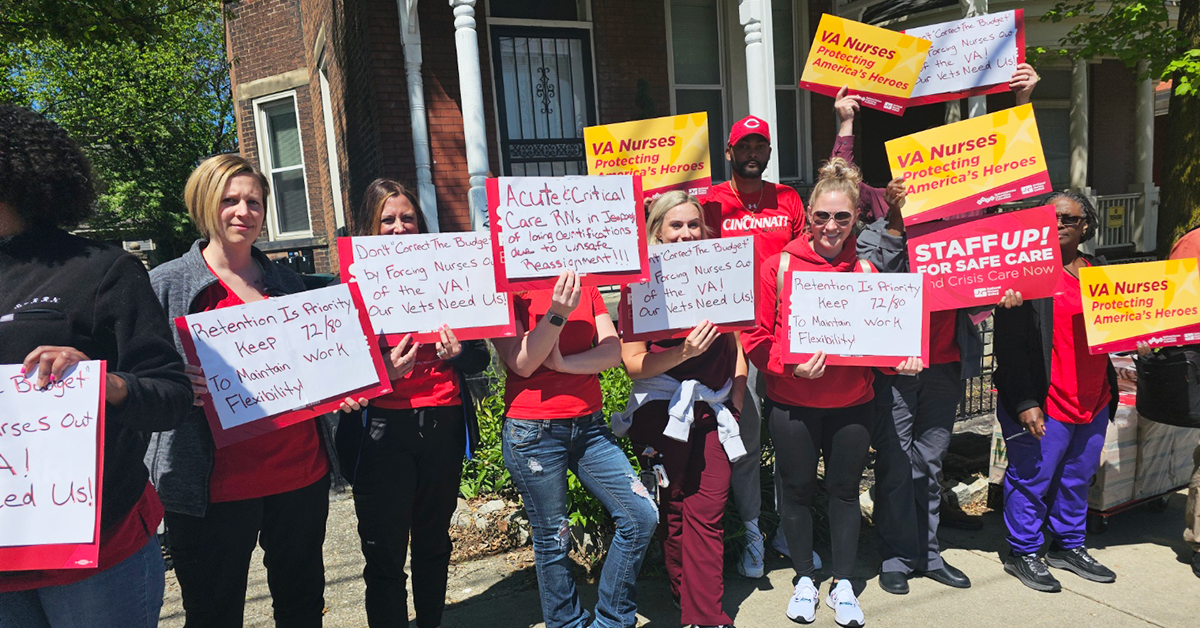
(1091, 220)
(44, 175)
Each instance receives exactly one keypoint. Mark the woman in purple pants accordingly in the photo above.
(1055, 402)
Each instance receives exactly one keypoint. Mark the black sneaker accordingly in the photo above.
(1079, 561)
(1032, 572)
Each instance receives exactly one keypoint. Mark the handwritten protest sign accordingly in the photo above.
(691, 282)
(880, 65)
(542, 226)
(1155, 302)
(969, 57)
(416, 283)
(277, 362)
(51, 462)
(973, 262)
(969, 165)
(862, 319)
(669, 153)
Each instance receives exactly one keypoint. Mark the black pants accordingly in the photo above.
(406, 482)
(212, 557)
(801, 435)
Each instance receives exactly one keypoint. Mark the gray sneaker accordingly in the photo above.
(1078, 560)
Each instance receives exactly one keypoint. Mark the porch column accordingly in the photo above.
(410, 37)
(1145, 230)
(470, 80)
(754, 16)
(976, 105)
(1079, 126)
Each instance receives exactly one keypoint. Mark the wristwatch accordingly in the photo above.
(555, 319)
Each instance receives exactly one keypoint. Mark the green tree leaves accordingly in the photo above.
(144, 111)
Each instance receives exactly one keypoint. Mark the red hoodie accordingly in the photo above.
(840, 386)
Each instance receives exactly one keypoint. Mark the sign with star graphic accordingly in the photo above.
(1153, 302)
(970, 165)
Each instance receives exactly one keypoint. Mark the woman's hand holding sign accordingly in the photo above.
(51, 363)
(813, 369)
(910, 366)
(402, 358)
(448, 347)
(699, 340)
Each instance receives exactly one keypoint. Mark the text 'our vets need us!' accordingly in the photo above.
(541, 226)
(416, 283)
(273, 363)
(51, 444)
(691, 282)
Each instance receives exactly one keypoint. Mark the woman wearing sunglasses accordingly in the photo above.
(815, 410)
(1055, 402)
(706, 371)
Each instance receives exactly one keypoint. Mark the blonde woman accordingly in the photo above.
(270, 490)
(711, 366)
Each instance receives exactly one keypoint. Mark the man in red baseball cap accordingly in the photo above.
(774, 214)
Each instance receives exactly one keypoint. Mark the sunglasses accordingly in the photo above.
(1069, 220)
(842, 218)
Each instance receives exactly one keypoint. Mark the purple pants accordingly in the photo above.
(1046, 484)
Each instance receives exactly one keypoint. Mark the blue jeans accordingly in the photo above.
(126, 595)
(538, 454)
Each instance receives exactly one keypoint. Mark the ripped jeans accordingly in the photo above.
(538, 454)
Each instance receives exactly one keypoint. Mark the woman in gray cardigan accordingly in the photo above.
(272, 489)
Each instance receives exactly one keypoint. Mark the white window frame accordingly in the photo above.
(720, 172)
(265, 162)
(805, 171)
(331, 156)
(1057, 104)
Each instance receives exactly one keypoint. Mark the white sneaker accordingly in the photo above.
(803, 605)
(846, 611)
(779, 544)
(751, 565)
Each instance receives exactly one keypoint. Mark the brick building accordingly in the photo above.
(331, 94)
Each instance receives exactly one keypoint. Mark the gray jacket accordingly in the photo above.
(889, 254)
(181, 460)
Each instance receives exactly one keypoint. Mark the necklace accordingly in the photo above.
(751, 207)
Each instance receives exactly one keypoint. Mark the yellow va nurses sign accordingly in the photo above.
(1153, 302)
(880, 65)
(669, 153)
(969, 165)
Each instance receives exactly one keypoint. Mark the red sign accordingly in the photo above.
(973, 262)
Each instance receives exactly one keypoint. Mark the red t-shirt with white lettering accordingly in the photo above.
(276, 462)
(548, 394)
(432, 383)
(774, 217)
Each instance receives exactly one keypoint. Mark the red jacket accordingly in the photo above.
(840, 386)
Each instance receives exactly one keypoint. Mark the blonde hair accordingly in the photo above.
(665, 203)
(205, 186)
(837, 175)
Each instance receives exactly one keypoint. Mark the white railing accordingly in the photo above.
(1119, 213)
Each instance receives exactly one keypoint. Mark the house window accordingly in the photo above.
(1052, 108)
(335, 173)
(282, 159)
(786, 136)
(698, 81)
(563, 10)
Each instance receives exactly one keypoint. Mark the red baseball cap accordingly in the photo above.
(749, 125)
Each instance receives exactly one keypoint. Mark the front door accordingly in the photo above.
(544, 92)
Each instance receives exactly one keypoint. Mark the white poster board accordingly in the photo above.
(48, 457)
(544, 225)
(416, 283)
(970, 53)
(695, 281)
(282, 355)
(865, 319)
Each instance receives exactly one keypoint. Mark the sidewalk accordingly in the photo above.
(1155, 586)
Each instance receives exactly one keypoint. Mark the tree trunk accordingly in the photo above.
(1180, 208)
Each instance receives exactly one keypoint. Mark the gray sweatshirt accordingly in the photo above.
(181, 460)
